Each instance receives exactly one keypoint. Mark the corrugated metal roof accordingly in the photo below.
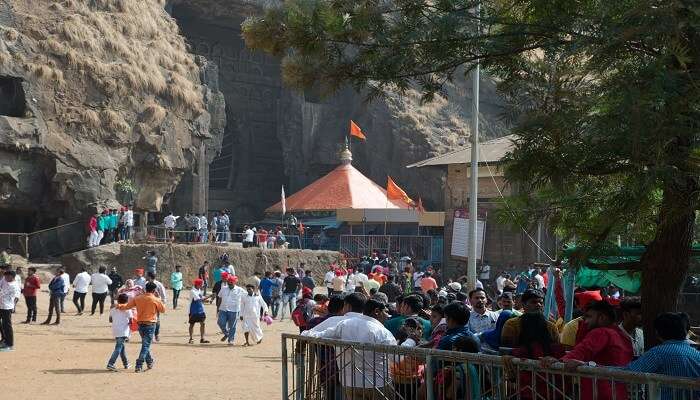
(491, 151)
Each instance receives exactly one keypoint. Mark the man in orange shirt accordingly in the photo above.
(147, 307)
(378, 275)
(428, 282)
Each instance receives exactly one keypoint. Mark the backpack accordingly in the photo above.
(301, 314)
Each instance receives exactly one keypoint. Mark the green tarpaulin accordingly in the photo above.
(629, 281)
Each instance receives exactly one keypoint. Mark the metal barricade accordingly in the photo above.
(324, 369)
(417, 247)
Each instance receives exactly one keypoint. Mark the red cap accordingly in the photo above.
(198, 282)
(306, 292)
(224, 275)
(586, 297)
(232, 279)
(338, 272)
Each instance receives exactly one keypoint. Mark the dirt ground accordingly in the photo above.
(50, 362)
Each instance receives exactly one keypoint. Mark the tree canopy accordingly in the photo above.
(608, 94)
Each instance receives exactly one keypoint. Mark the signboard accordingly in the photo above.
(460, 235)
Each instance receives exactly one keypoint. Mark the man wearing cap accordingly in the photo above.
(533, 302)
(197, 314)
(230, 307)
(251, 306)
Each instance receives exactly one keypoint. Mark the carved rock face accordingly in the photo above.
(109, 92)
(276, 137)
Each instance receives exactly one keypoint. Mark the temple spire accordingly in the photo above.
(346, 154)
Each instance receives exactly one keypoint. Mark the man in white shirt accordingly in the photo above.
(364, 374)
(539, 279)
(80, 288)
(417, 277)
(328, 279)
(248, 236)
(66, 289)
(203, 229)
(631, 324)
(485, 273)
(100, 288)
(128, 221)
(9, 295)
(480, 319)
(500, 281)
(229, 309)
(169, 222)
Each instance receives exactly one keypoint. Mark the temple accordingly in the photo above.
(343, 188)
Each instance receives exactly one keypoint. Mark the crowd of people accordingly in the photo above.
(196, 228)
(377, 302)
(110, 226)
(373, 308)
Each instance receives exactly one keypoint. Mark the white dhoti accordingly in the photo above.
(250, 312)
(252, 326)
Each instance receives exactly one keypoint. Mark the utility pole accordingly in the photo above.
(474, 177)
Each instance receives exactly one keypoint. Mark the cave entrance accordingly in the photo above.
(12, 98)
(15, 221)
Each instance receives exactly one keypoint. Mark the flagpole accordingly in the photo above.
(474, 178)
(386, 212)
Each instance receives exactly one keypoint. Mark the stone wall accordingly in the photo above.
(128, 257)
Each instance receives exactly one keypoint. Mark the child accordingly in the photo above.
(251, 305)
(121, 319)
(197, 314)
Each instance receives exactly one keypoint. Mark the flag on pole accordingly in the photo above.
(356, 131)
(394, 192)
(284, 202)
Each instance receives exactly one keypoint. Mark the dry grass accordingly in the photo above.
(45, 72)
(153, 115)
(90, 118)
(128, 50)
(112, 121)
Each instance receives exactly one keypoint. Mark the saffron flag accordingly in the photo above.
(394, 192)
(356, 131)
(284, 202)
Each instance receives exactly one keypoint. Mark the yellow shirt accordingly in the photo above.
(568, 334)
(510, 335)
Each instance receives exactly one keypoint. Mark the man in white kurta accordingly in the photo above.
(250, 314)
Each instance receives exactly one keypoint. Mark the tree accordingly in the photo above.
(608, 133)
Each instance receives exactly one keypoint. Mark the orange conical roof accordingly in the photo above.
(344, 187)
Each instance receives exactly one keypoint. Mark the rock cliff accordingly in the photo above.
(276, 136)
(95, 92)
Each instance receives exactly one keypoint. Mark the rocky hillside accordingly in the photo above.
(276, 136)
(96, 92)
